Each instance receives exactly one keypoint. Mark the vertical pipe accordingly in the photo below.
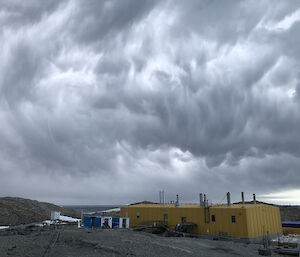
(159, 196)
(254, 199)
(204, 205)
(243, 198)
(228, 199)
(163, 197)
(201, 200)
(177, 201)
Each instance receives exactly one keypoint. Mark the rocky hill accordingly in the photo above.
(290, 212)
(15, 211)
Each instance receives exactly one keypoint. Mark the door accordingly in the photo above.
(166, 219)
(93, 222)
(124, 223)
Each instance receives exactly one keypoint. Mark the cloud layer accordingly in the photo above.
(107, 102)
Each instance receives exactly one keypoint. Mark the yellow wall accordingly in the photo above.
(287, 231)
(251, 220)
(263, 219)
(224, 225)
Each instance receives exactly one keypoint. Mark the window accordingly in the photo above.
(213, 218)
(233, 219)
(137, 214)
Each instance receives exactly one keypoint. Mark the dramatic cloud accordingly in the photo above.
(109, 102)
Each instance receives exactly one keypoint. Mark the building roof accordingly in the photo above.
(157, 205)
(291, 224)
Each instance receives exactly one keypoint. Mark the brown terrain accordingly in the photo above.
(16, 211)
(290, 212)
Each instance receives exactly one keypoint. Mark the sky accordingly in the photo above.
(109, 102)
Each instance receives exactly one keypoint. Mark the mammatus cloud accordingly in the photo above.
(108, 102)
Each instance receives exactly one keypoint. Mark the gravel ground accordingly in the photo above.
(69, 241)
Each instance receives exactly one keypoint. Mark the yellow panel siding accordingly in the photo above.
(278, 219)
(239, 228)
(253, 222)
(259, 221)
(271, 221)
(250, 225)
(274, 226)
(270, 217)
(262, 219)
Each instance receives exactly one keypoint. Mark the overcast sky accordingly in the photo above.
(105, 102)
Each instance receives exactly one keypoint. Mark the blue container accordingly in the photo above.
(92, 222)
(87, 221)
(97, 222)
(115, 222)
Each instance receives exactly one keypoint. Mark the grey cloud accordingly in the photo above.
(19, 13)
(101, 19)
(297, 91)
(130, 98)
(292, 45)
(224, 22)
(22, 68)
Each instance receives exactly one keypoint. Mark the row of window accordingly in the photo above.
(183, 219)
(213, 218)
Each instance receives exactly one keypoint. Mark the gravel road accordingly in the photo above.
(69, 241)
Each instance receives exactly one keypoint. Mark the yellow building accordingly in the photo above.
(291, 227)
(242, 221)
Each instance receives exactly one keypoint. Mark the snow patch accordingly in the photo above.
(68, 219)
(112, 210)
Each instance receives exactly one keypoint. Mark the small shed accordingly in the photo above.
(106, 222)
(55, 215)
(115, 222)
(92, 221)
(124, 223)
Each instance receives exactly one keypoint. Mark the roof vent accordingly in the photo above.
(243, 198)
(228, 199)
(254, 199)
(201, 200)
(177, 201)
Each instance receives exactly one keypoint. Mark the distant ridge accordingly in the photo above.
(15, 211)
